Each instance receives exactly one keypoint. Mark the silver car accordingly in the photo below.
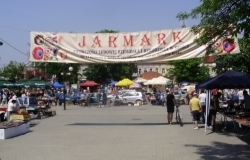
(133, 98)
(180, 94)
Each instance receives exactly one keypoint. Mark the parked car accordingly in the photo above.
(76, 97)
(134, 97)
(119, 93)
(180, 94)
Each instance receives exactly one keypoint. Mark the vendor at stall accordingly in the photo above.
(13, 107)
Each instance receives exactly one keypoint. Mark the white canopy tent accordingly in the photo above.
(140, 80)
(157, 81)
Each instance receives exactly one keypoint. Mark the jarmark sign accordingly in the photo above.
(152, 46)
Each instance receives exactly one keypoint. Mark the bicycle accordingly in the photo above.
(178, 116)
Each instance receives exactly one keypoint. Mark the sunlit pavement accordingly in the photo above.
(120, 133)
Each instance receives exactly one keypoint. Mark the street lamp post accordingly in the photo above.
(64, 86)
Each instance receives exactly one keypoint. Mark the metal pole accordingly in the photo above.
(64, 89)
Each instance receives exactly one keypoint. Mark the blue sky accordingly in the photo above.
(19, 17)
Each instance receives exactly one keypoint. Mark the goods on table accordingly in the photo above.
(19, 117)
(5, 125)
(22, 111)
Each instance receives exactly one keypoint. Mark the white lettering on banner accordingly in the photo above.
(40, 84)
(154, 46)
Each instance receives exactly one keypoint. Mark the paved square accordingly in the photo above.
(120, 133)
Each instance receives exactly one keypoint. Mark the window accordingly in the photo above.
(145, 70)
(156, 69)
(150, 69)
(163, 70)
(139, 71)
(125, 94)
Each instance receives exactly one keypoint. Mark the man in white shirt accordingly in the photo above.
(202, 98)
(240, 94)
(12, 107)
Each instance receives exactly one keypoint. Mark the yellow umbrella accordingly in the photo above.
(124, 82)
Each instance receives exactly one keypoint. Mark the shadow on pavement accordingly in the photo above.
(219, 150)
(118, 124)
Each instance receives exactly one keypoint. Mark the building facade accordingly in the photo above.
(161, 68)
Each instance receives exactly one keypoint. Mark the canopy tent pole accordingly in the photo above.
(208, 93)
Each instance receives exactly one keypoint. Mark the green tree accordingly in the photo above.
(58, 68)
(13, 70)
(218, 16)
(238, 62)
(103, 73)
(188, 70)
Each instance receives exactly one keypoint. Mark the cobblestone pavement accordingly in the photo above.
(120, 133)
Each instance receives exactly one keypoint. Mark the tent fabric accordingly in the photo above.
(124, 82)
(5, 84)
(135, 85)
(140, 80)
(89, 84)
(184, 83)
(35, 82)
(150, 75)
(227, 80)
(57, 85)
(21, 82)
(157, 81)
(112, 83)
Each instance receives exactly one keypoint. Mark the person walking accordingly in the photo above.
(202, 98)
(99, 99)
(195, 109)
(214, 107)
(171, 102)
(104, 98)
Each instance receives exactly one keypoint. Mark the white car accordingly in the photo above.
(133, 97)
(119, 93)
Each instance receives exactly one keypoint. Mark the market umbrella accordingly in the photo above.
(21, 82)
(227, 80)
(57, 85)
(112, 83)
(124, 82)
(89, 84)
(140, 80)
(5, 84)
(150, 75)
(135, 85)
(35, 82)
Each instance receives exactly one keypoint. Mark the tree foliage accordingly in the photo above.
(57, 68)
(238, 62)
(103, 73)
(13, 70)
(188, 70)
(218, 17)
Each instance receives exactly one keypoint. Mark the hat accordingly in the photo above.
(214, 91)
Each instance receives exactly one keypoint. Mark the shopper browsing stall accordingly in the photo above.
(13, 107)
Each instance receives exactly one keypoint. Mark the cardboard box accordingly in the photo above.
(19, 117)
